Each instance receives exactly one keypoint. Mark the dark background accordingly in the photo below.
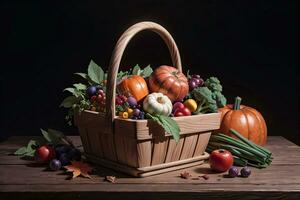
(249, 45)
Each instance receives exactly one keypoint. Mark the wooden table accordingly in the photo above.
(22, 179)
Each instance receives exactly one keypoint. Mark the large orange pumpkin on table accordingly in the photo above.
(169, 81)
(135, 86)
(246, 120)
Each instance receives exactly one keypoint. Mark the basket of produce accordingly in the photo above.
(144, 122)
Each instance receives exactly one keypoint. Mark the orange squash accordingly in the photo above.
(135, 86)
(169, 81)
(246, 120)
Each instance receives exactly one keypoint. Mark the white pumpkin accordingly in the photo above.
(158, 103)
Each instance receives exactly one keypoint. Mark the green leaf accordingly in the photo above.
(168, 124)
(30, 153)
(83, 75)
(147, 71)
(71, 90)
(28, 150)
(76, 92)
(95, 72)
(21, 151)
(136, 70)
(69, 102)
(80, 86)
(53, 136)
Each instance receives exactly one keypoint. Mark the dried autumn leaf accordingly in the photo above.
(111, 179)
(185, 175)
(79, 168)
(204, 176)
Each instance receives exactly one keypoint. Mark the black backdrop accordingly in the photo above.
(249, 45)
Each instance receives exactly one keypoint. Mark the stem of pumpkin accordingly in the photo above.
(237, 103)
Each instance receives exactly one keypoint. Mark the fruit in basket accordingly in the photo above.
(93, 99)
(195, 81)
(179, 112)
(92, 90)
(157, 103)
(191, 104)
(136, 112)
(55, 165)
(124, 115)
(246, 120)
(131, 101)
(141, 115)
(129, 111)
(135, 86)
(177, 105)
(119, 101)
(245, 172)
(220, 160)
(44, 154)
(169, 81)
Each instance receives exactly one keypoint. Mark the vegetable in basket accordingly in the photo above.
(169, 81)
(157, 103)
(209, 97)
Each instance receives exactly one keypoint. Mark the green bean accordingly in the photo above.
(232, 140)
(238, 135)
(247, 148)
(240, 161)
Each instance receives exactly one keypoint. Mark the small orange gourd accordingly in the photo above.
(135, 86)
(246, 120)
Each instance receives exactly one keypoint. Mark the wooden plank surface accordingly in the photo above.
(22, 179)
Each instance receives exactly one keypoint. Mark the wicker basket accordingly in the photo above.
(141, 147)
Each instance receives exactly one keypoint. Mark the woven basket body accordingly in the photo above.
(141, 147)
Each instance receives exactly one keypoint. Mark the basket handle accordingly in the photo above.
(117, 56)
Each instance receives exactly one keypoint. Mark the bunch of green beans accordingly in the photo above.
(244, 151)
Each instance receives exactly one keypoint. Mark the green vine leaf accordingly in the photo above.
(136, 70)
(168, 124)
(147, 71)
(69, 102)
(80, 86)
(83, 75)
(95, 73)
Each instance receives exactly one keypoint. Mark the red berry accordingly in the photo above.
(93, 98)
(101, 92)
(99, 98)
(44, 154)
(196, 80)
(119, 101)
(192, 84)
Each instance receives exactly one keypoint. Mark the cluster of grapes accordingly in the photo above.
(97, 98)
(195, 81)
(120, 99)
(130, 106)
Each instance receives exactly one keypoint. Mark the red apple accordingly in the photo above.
(182, 112)
(177, 105)
(44, 154)
(220, 160)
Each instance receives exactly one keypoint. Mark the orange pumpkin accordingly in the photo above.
(135, 86)
(246, 120)
(169, 81)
